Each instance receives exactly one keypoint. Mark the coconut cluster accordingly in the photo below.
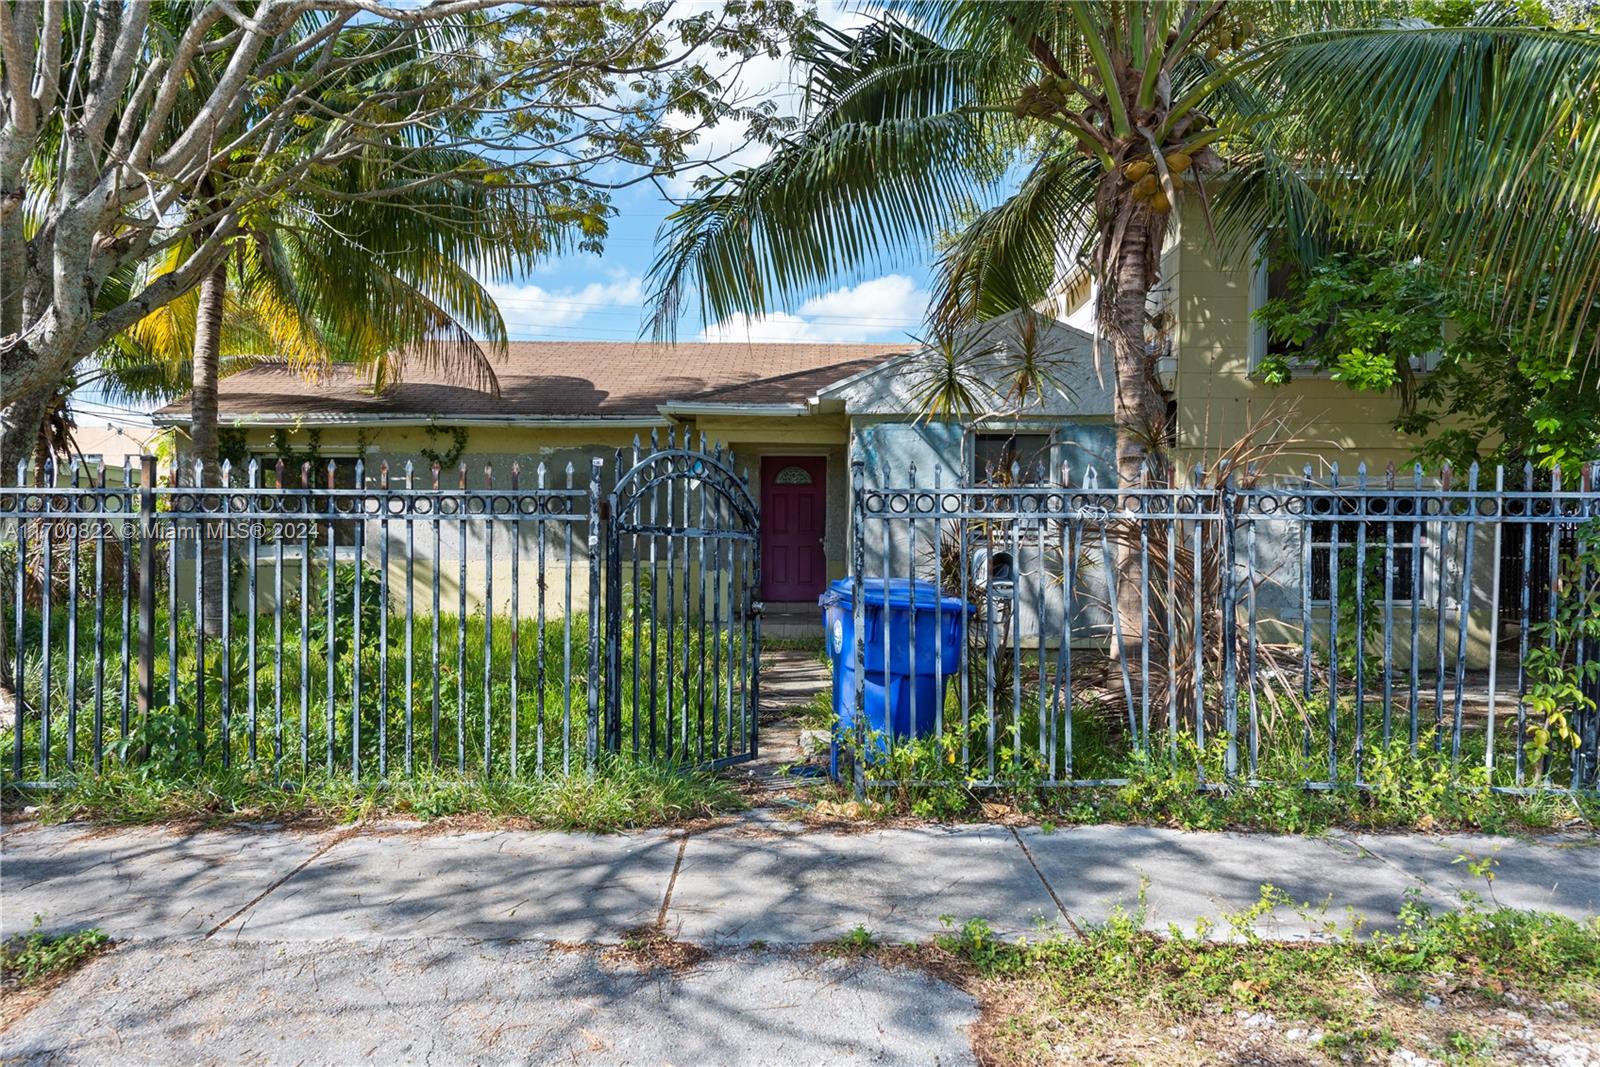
(1222, 37)
(1041, 98)
(1141, 173)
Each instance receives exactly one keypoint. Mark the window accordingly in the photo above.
(1274, 275)
(344, 477)
(793, 476)
(994, 455)
(344, 471)
(1401, 590)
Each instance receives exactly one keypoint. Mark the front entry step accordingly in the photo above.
(792, 619)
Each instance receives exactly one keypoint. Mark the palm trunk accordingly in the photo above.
(1141, 409)
(203, 423)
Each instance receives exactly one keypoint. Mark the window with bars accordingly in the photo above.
(344, 477)
(1402, 589)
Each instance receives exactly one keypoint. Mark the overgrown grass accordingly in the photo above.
(1431, 979)
(308, 696)
(621, 794)
(1178, 783)
(36, 958)
(815, 646)
(817, 713)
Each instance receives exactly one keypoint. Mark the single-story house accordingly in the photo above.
(797, 414)
(794, 415)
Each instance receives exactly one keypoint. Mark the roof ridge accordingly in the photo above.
(576, 379)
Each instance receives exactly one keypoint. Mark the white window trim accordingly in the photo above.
(1259, 271)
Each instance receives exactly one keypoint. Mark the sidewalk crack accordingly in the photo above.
(666, 901)
(1365, 851)
(1048, 888)
(336, 839)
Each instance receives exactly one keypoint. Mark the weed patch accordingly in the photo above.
(36, 959)
(620, 795)
(1402, 789)
(648, 948)
(859, 941)
(1465, 986)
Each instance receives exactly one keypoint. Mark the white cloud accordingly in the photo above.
(529, 309)
(727, 146)
(883, 309)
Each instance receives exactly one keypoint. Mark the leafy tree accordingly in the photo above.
(1373, 320)
(184, 125)
(172, 136)
(369, 282)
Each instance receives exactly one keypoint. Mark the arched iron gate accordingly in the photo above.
(682, 618)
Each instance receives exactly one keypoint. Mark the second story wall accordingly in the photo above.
(1219, 394)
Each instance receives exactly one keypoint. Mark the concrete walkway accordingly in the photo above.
(404, 945)
(757, 881)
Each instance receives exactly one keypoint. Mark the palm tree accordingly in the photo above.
(376, 283)
(1124, 113)
(1321, 119)
(381, 283)
(370, 259)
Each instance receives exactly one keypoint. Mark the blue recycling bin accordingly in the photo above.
(902, 701)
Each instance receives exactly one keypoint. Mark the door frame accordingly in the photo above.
(761, 474)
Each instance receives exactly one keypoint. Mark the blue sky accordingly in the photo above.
(588, 297)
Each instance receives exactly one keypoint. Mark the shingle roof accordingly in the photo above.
(573, 379)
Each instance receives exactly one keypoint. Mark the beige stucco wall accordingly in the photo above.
(497, 446)
(1218, 398)
(750, 438)
(686, 591)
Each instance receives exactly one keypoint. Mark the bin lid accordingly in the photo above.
(896, 591)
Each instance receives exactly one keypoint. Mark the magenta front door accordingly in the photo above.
(793, 515)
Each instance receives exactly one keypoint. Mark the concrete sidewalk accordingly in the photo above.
(421, 946)
(757, 882)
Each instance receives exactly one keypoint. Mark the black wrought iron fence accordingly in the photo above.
(1313, 630)
(406, 621)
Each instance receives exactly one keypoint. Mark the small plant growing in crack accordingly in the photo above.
(651, 948)
(858, 942)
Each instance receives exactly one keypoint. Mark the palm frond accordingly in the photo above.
(888, 70)
(947, 374)
(1476, 145)
(900, 136)
(1018, 252)
(1030, 371)
(819, 210)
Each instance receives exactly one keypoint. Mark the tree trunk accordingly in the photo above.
(1141, 409)
(203, 398)
(20, 421)
(203, 424)
(20, 418)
